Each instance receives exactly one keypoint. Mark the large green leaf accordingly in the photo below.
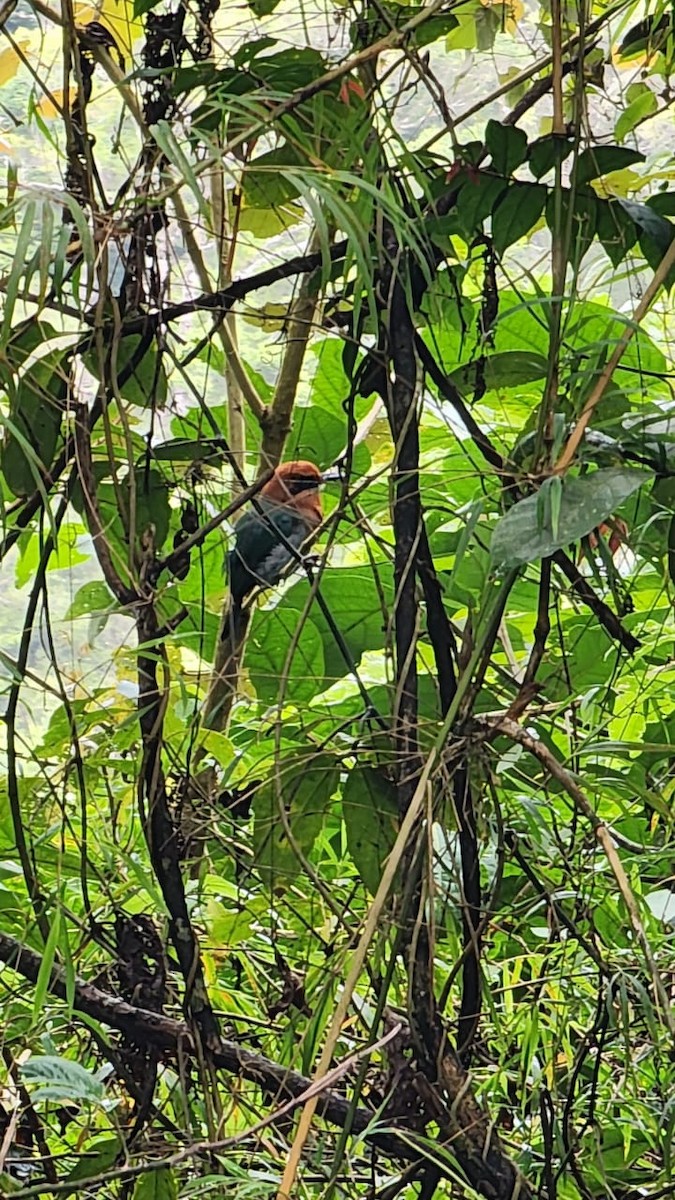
(152, 506)
(547, 152)
(62, 1079)
(34, 423)
(516, 213)
(508, 369)
(586, 502)
(371, 820)
(102, 1153)
(616, 230)
(477, 197)
(602, 160)
(156, 1185)
(354, 598)
(656, 233)
(267, 651)
(507, 145)
(642, 104)
(146, 385)
(304, 791)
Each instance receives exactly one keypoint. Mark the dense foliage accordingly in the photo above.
(401, 922)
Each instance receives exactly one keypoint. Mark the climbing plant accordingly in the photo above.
(399, 920)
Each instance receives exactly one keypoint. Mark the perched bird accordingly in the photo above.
(287, 513)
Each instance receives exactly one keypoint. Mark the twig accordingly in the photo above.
(650, 293)
(276, 421)
(143, 1027)
(222, 300)
(503, 724)
(85, 468)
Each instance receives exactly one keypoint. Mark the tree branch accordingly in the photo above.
(142, 1026)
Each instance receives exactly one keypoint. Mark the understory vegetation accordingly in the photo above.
(401, 922)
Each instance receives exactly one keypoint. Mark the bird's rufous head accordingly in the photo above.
(297, 483)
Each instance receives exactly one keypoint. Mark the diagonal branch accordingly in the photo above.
(144, 1027)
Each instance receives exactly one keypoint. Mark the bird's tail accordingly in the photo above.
(234, 625)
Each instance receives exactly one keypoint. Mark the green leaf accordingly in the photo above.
(584, 504)
(262, 8)
(152, 507)
(516, 213)
(549, 499)
(264, 184)
(92, 597)
(477, 197)
(547, 152)
(62, 1079)
(663, 203)
(152, 504)
(656, 233)
(671, 549)
(511, 368)
(206, 450)
(602, 160)
(18, 269)
(354, 596)
(25, 340)
(34, 424)
(45, 972)
(147, 384)
(434, 28)
(266, 223)
(157, 1185)
(268, 646)
(582, 223)
(507, 145)
(316, 434)
(305, 788)
(650, 222)
(641, 107)
(228, 926)
(371, 820)
(464, 36)
(101, 1155)
(616, 230)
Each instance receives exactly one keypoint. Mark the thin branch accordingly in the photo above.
(200, 535)
(649, 295)
(144, 1027)
(222, 300)
(510, 728)
(161, 833)
(85, 468)
(276, 422)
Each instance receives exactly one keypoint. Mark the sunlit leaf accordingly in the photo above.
(584, 504)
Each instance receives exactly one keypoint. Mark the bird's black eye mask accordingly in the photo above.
(301, 483)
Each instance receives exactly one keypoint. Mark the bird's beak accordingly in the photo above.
(332, 475)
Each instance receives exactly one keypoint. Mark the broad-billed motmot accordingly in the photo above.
(288, 511)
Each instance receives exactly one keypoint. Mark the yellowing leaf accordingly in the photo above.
(84, 13)
(511, 12)
(10, 62)
(118, 17)
(53, 105)
(644, 61)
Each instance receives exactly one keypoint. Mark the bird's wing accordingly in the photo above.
(259, 556)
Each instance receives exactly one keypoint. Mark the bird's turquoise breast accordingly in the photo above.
(259, 555)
